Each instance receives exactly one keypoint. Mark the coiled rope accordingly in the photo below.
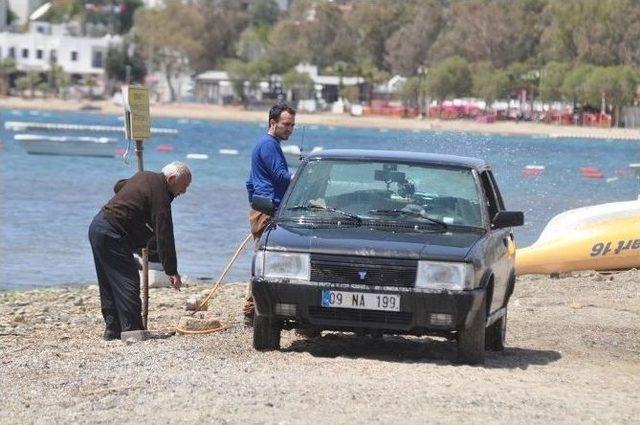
(213, 291)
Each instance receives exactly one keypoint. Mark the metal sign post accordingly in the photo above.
(137, 127)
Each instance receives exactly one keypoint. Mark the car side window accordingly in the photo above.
(496, 191)
(493, 202)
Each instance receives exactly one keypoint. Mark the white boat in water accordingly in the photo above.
(68, 145)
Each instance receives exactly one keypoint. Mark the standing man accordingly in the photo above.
(139, 210)
(269, 176)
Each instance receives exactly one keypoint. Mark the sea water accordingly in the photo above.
(47, 202)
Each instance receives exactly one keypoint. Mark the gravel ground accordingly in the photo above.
(573, 356)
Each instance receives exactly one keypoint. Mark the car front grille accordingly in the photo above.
(363, 271)
(355, 315)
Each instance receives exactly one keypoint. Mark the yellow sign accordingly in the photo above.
(137, 109)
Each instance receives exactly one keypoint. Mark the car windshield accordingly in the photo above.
(384, 192)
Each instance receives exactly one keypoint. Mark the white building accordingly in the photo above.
(47, 43)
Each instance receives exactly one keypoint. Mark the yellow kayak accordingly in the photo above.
(599, 237)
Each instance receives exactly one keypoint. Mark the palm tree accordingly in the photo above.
(7, 68)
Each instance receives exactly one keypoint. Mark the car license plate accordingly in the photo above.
(360, 300)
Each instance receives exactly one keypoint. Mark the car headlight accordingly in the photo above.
(443, 275)
(282, 265)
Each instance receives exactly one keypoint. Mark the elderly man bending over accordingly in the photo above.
(139, 210)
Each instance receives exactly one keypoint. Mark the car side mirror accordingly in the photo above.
(262, 204)
(508, 219)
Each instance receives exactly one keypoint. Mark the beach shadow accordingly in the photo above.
(414, 350)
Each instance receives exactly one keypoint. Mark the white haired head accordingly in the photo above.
(178, 177)
(176, 168)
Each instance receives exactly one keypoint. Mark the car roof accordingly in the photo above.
(400, 156)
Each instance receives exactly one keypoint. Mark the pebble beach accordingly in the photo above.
(573, 350)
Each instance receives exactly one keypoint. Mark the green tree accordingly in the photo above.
(523, 76)
(91, 83)
(245, 76)
(28, 82)
(411, 92)
(408, 48)
(375, 22)
(497, 31)
(118, 59)
(22, 84)
(43, 88)
(599, 32)
(7, 69)
(489, 84)
(574, 85)
(300, 84)
(552, 77)
(222, 23)
(613, 86)
(253, 43)
(263, 13)
(329, 37)
(169, 38)
(449, 78)
(56, 78)
(365, 69)
(126, 17)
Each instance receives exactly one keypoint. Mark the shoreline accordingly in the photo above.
(234, 113)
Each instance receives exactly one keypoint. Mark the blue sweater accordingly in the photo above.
(269, 175)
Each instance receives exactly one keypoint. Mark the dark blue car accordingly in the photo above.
(385, 242)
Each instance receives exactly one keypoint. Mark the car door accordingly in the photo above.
(499, 241)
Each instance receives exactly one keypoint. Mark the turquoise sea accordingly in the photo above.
(47, 202)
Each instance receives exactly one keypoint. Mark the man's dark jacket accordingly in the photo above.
(140, 209)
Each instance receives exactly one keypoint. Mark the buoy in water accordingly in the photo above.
(591, 172)
(228, 151)
(533, 170)
(197, 156)
(165, 148)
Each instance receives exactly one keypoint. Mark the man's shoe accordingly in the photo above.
(110, 335)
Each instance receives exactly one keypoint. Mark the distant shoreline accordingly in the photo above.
(233, 113)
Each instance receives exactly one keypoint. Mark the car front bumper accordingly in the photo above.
(420, 312)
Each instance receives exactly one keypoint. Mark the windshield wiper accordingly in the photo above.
(397, 212)
(316, 207)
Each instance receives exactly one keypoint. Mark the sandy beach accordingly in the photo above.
(215, 112)
(573, 350)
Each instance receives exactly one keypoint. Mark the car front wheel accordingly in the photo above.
(266, 333)
(471, 340)
(496, 334)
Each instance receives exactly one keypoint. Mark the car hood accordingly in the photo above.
(452, 245)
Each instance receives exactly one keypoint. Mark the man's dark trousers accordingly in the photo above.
(118, 277)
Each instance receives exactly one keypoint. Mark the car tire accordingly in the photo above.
(266, 333)
(496, 334)
(471, 340)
